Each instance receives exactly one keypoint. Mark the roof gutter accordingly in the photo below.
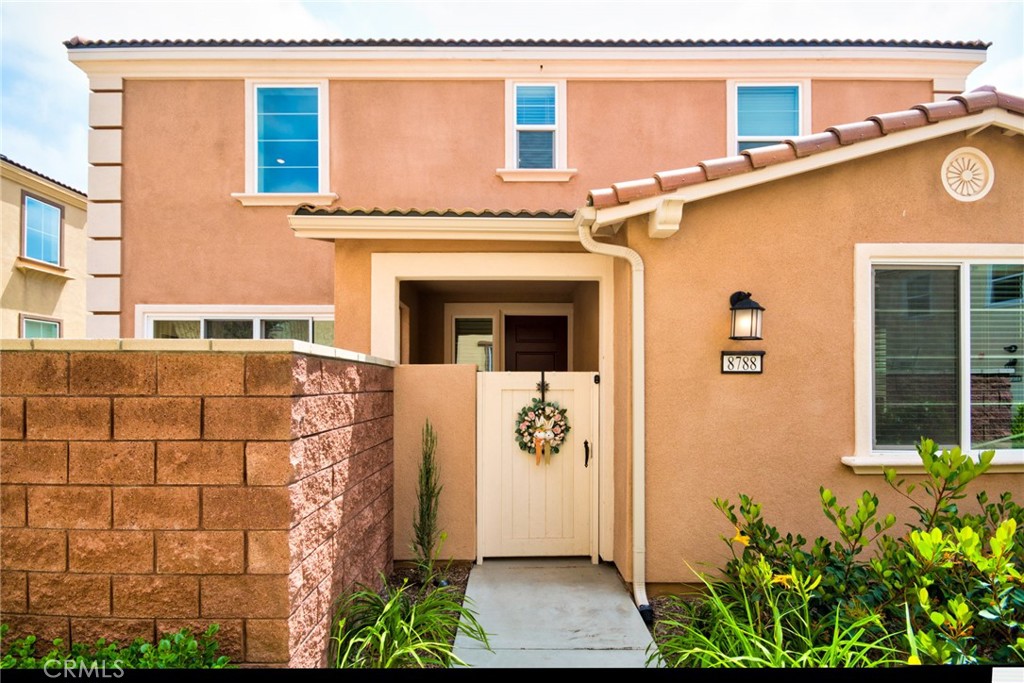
(585, 220)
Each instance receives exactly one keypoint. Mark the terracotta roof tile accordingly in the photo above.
(602, 198)
(78, 43)
(980, 99)
(977, 100)
(805, 145)
(40, 175)
(1010, 102)
(309, 210)
(726, 166)
(900, 120)
(770, 154)
(673, 180)
(636, 189)
(940, 111)
(848, 133)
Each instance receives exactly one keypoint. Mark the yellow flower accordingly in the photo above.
(740, 537)
(784, 579)
(913, 659)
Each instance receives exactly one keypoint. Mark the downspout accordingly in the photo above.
(585, 219)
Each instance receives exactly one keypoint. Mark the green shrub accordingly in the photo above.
(178, 650)
(951, 584)
(398, 628)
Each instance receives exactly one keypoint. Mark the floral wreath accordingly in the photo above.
(541, 428)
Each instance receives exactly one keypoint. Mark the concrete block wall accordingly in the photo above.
(246, 484)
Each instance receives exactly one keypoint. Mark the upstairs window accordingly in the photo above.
(41, 237)
(287, 139)
(536, 126)
(535, 133)
(766, 114)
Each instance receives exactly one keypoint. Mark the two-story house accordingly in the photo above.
(462, 209)
(44, 255)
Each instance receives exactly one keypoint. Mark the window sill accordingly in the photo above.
(26, 264)
(284, 198)
(536, 175)
(910, 463)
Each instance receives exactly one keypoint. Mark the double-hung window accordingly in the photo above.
(766, 114)
(287, 158)
(535, 143)
(41, 230)
(946, 343)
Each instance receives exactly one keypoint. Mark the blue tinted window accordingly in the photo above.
(535, 105)
(287, 140)
(42, 231)
(41, 329)
(536, 149)
(768, 110)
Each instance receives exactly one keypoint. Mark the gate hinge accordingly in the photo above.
(597, 379)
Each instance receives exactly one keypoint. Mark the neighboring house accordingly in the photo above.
(452, 178)
(44, 254)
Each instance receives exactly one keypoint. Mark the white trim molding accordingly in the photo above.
(866, 459)
(284, 198)
(336, 227)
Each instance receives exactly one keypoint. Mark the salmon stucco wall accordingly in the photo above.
(780, 435)
(146, 490)
(841, 101)
(445, 395)
(185, 239)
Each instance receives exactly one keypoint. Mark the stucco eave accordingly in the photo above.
(433, 228)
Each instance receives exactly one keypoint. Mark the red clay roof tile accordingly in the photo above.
(900, 120)
(848, 133)
(978, 100)
(636, 189)
(310, 210)
(726, 166)
(770, 154)
(602, 198)
(805, 145)
(985, 97)
(673, 180)
(940, 111)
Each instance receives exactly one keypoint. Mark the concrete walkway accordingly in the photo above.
(551, 613)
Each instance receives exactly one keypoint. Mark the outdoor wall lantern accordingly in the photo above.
(746, 317)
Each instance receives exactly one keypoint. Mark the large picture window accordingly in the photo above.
(287, 139)
(948, 353)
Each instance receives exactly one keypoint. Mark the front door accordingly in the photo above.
(536, 342)
(525, 508)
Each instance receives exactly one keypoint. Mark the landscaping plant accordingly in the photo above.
(950, 585)
(398, 628)
(178, 650)
(426, 534)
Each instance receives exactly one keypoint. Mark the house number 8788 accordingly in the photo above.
(741, 362)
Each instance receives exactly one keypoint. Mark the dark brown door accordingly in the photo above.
(536, 342)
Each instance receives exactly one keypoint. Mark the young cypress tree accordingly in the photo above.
(425, 531)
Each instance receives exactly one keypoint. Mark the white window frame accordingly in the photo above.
(497, 313)
(47, 321)
(251, 196)
(732, 87)
(866, 458)
(50, 204)
(561, 171)
(146, 315)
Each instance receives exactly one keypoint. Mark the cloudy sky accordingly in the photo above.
(43, 108)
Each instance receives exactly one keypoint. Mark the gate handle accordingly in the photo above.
(586, 453)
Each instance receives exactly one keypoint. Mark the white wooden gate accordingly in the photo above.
(526, 509)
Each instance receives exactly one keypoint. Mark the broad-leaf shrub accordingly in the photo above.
(950, 583)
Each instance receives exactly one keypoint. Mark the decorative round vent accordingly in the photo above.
(967, 174)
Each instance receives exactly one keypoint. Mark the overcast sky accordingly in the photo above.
(43, 109)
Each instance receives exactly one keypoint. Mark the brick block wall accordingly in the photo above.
(146, 490)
